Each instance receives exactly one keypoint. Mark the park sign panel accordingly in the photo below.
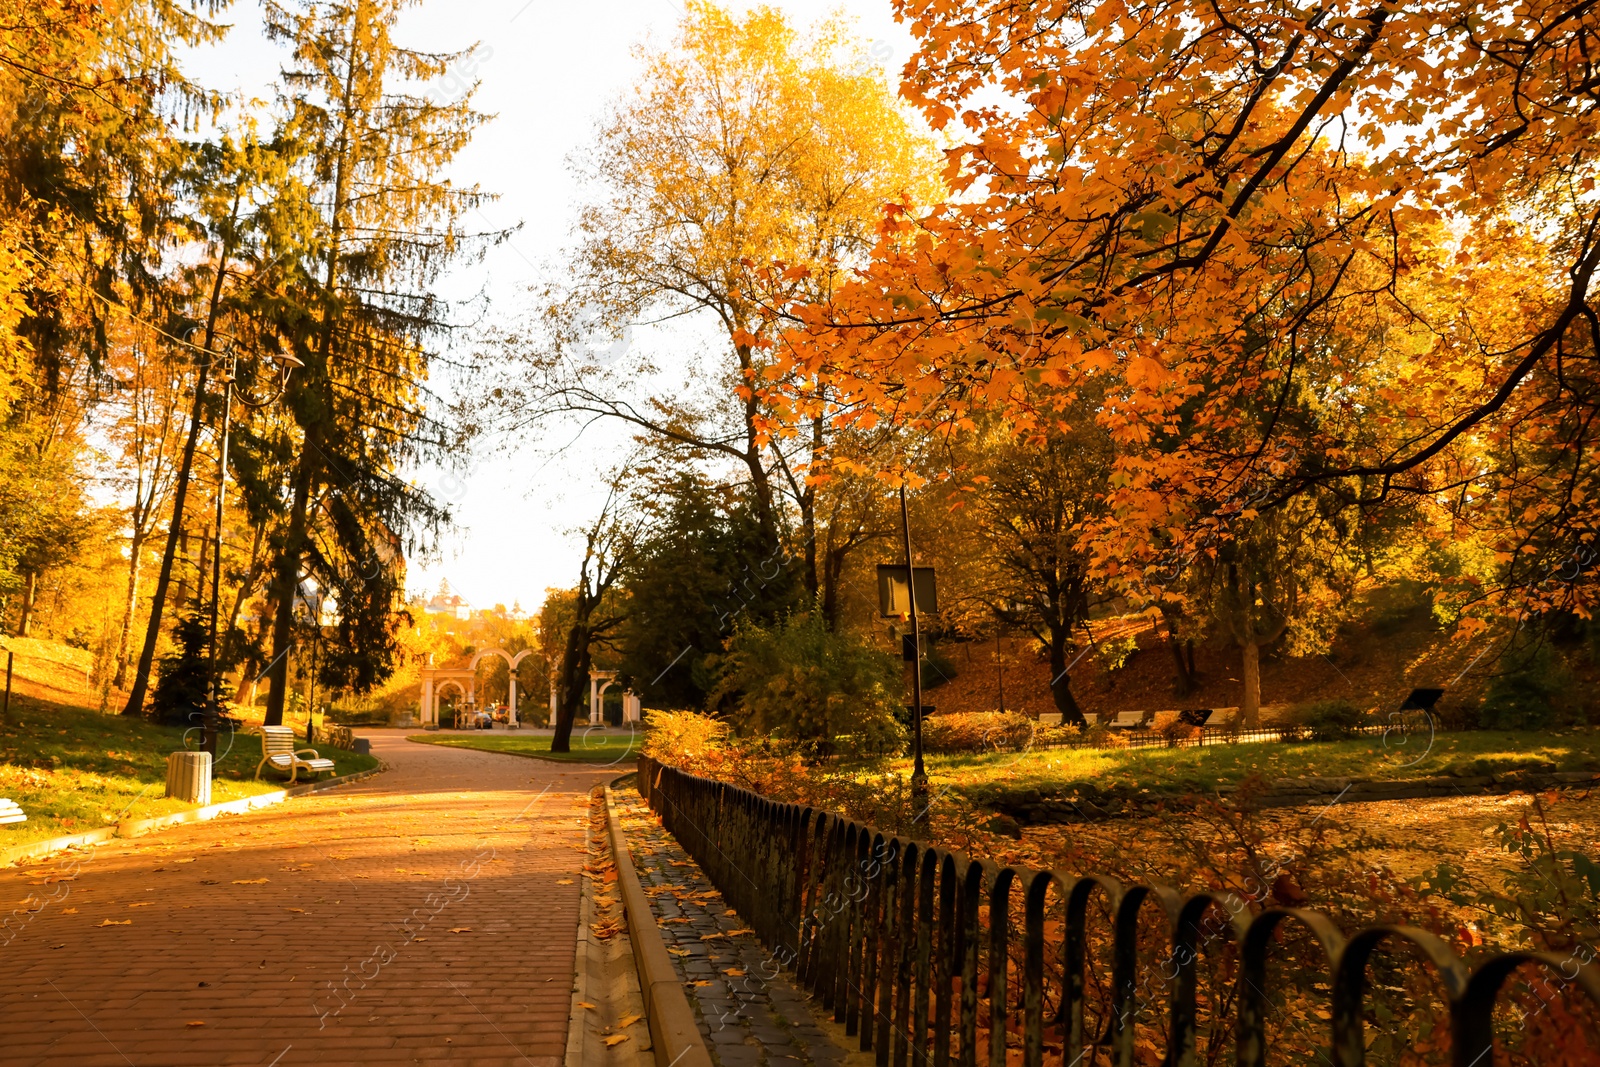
(893, 601)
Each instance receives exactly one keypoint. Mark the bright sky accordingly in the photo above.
(547, 69)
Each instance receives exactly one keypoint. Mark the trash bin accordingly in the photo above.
(189, 777)
(363, 746)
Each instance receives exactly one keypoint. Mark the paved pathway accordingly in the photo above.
(425, 915)
(749, 1011)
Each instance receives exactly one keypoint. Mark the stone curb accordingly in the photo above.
(674, 1034)
(140, 827)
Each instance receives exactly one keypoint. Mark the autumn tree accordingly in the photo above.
(710, 201)
(1038, 497)
(383, 224)
(1197, 207)
(596, 609)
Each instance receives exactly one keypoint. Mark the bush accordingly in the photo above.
(798, 681)
(977, 731)
(1525, 695)
(676, 736)
(1177, 731)
(1326, 720)
(1100, 735)
(1114, 652)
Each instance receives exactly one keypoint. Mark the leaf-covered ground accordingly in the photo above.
(1202, 769)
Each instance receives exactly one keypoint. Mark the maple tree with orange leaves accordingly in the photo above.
(1336, 253)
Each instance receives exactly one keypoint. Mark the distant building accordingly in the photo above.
(448, 602)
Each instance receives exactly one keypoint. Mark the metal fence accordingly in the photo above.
(1208, 735)
(929, 956)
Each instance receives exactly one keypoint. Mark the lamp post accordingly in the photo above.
(286, 365)
(919, 775)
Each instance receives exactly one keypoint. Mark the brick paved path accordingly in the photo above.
(425, 915)
(750, 1013)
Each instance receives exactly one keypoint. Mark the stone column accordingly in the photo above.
(594, 699)
(427, 700)
(511, 708)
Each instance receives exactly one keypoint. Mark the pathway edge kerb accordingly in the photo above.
(674, 1034)
(138, 827)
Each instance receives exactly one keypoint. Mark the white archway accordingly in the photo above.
(434, 681)
(511, 665)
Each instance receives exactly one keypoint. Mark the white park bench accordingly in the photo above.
(277, 749)
(9, 812)
(1223, 718)
(1131, 720)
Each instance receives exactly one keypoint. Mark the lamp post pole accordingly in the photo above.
(214, 705)
(919, 775)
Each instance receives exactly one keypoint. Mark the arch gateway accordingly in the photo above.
(437, 680)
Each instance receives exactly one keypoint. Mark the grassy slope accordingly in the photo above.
(74, 770)
(1190, 769)
(588, 748)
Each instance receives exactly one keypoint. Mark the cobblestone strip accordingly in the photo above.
(751, 1014)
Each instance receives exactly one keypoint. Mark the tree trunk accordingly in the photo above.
(1250, 709)
(130, 613)
(1061, 681)
(569, 690)
(1185, 683)
(285, 586)
(30, 593)
(180, 493)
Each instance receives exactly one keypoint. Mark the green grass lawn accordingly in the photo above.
(1201, 769)
(619, 749)
(74, 770)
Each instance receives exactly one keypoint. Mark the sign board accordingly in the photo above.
(893, 602)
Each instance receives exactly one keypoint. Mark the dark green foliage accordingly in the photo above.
(1328, 720)
(184, 678)
(799, 681)
(1528, 692)
(698, 570)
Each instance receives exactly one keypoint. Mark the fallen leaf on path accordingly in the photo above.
(298, 911)
(116, 922)
(186, 859)
(584, 1004)
(629, 1019)
(741, 930)
(615, 1039)
(208, 881)
(194, 1023)
(249, 881)
(141, 904)
(564, 881)
(735, 972)
(461, 929)
(69, 911)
